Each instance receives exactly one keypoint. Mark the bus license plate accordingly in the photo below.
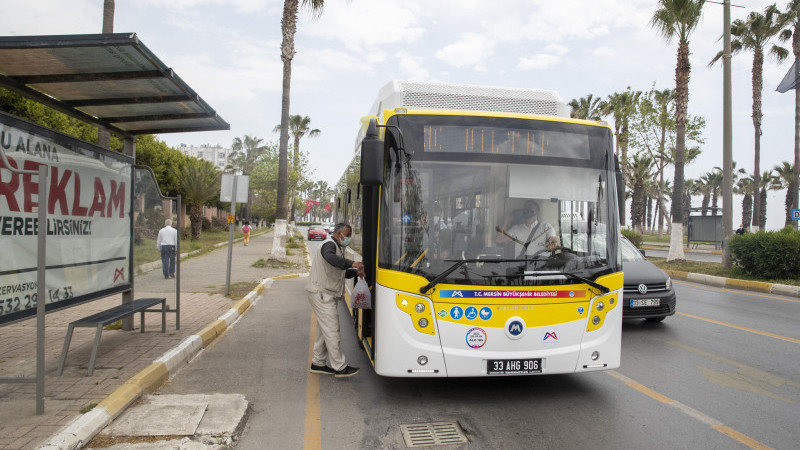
(513, 366)
(635, 303)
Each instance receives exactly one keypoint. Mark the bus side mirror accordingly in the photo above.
(372, 157)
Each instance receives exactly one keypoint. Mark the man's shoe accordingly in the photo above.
(346, 372)
(325, 370)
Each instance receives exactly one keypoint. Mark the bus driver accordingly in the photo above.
(530, 235)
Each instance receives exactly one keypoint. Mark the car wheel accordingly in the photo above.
(655, 319)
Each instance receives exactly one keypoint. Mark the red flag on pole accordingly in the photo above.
(328, 207)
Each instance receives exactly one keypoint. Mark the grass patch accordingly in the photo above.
(238, 290)
(716, 269)
(260, 264)
(88, 408)
(147, 252)
(114, 326)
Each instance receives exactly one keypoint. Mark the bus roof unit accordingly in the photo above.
(446, 96)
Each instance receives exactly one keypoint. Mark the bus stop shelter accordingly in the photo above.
(112, 81)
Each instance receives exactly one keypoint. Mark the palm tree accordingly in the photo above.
(198, 181)
(768, 183)
(288, 29)
(678, 18)
(622, 105)
(691, 188)
(754, 34)
(103, 136)
(784, 180)
(703, 186)
(640, 171)
(298, 127)
(714, 179)
(744, 186)
(246, 153)
(589, 108)
(791, 18)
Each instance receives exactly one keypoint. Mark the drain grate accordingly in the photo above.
(433, 433)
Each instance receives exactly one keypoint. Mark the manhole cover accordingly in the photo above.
(433, 433)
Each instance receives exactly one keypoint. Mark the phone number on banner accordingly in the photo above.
(14, 304)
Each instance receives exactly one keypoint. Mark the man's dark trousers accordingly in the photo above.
(168, 260)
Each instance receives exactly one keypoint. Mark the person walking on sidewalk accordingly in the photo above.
(166, 242)
(246, 231)
(329, 268)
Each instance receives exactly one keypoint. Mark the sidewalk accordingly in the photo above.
(694, 248)
(122, 355)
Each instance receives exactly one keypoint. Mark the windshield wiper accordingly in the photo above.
(443, 275)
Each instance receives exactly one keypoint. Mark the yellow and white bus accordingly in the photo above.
(437, 193)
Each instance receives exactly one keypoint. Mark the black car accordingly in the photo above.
(648, 292)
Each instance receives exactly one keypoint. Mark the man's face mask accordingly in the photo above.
(346, 241)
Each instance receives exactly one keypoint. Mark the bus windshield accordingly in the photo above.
(515, 224)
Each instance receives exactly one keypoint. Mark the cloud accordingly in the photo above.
(471, 49)
(50, 17)
(411, 66)
(365, 25)
(539, 61)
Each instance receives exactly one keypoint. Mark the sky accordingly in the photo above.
(228, 51)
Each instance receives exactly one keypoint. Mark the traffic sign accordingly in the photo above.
(796, 214)
(231, 218)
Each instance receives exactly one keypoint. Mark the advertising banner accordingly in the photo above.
(89, 219)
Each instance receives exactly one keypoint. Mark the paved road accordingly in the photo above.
(722, 373)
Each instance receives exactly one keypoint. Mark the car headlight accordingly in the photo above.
(668, 284)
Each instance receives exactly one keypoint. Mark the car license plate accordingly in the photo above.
(639, 302)
(513, 366)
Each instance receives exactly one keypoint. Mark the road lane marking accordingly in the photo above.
(750, 330)
(312, 434)
(734, 291)
(691, 412)
(750, 372)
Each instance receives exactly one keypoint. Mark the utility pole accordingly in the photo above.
(727, 137)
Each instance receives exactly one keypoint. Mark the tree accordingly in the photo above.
(754, 34)
(784, 180)
(640, 171)
(288, 29)
(744, 187)
(103, 135)
(589, 108)
(678, 18)
(622, 105)
(769, 183)
(791, 18)
(298, 127)
(246, 153)
(198, 181)
(653, 131)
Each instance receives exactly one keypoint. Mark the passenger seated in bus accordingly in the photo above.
(529, 235)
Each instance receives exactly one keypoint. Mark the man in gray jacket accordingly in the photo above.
(325, 287)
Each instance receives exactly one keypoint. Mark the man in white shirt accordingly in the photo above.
(530, 236)
(167, 242)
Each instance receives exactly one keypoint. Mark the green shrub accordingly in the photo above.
(764, 254)
(634, 237)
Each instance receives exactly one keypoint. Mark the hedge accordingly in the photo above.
(771, 255)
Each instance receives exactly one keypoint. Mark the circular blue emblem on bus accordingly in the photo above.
(471, 313)
(456, 312)
(406, 219)
(485, 313)
(515, 328)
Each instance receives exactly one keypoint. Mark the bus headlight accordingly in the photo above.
(419, 307)
(600, 306)
(595, 355)
(423, 322)
(422, 360)
(596, 320)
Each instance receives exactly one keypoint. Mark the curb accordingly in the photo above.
(735, 283)
(81, 430)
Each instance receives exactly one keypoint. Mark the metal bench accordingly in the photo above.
(112, 315)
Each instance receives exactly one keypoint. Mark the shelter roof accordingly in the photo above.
(111, 80)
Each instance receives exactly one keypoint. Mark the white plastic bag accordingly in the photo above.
(361, 298)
